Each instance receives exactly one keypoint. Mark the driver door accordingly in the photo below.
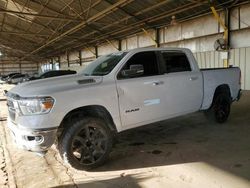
(139, 96)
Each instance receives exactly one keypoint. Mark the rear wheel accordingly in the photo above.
(86, 144)
(220, 109)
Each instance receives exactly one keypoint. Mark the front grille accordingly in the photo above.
(12, 115)
(11, 109)
(10, 103)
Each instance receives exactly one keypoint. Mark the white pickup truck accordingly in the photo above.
(123, 90)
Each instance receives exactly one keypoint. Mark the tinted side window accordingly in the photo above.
(176, 62)
(59, 73)
(45, 75)
(147, 59)
(66, 72)
(18, 76)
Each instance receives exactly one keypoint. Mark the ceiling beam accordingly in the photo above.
(16, 60)
(23, 33)
(97, 16)
(2, 11)
(120, 21)
(13, 42)
(4, 16)
(21, 10)
(37, 22)
(141, 23)
(126, 12)
(39, 12)
(56, 30)
(14, 46)
(44, 26)
(4, 46)
(85, 12)
(45, 5)
(23, 39)
(32, 34)
(60, 28)
(81, 17)
(10, 29)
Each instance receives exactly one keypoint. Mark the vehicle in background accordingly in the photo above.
(18, 78)
(4, 79)
(82, 113)
(53, 73)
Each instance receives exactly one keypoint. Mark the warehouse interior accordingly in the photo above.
(37, 36)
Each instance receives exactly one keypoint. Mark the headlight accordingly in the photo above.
(34, 106)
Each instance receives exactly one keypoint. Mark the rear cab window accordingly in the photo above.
(175, 61)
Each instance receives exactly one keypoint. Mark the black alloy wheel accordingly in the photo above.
(86, 144)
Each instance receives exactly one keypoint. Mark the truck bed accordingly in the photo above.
(214, 77)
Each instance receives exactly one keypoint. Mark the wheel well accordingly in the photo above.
(88, 111)
(222, 89)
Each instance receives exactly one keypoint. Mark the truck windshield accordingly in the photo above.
(103, 65)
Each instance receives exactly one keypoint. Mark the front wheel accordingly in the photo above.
(86, 144)
(220, 109)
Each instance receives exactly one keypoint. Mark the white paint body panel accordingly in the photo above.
(179, 94)
(214, 77)
(176, 94)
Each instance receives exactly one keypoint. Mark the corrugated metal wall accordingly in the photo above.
(198, 35)
(22, 68)
(239, 57)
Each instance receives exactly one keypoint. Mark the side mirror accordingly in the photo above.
(134, 70)
(5, 92)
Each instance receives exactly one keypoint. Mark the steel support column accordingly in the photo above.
(96, 51)
(228, 25)
(20, 67)
(52, 63)
(59, 61)
(37, 67)
(120, 45)
(149, 35)
(157, 37)
(80, 57)
(68, 59)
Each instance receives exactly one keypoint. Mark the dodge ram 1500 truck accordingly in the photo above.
(123, 90)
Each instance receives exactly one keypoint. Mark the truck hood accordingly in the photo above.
(49, 86)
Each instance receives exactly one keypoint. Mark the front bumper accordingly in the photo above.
(30, 139)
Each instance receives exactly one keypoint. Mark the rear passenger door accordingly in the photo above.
(183, 89)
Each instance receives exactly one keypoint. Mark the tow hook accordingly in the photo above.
(41, 153)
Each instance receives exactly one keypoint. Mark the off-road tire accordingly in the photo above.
(220, 109)
(76, 136)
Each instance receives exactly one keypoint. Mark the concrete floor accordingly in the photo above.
(182, 152)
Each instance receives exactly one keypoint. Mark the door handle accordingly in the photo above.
(156, 83)
(193, 78)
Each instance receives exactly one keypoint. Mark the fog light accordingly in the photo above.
(38, 139)
(30, 138)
